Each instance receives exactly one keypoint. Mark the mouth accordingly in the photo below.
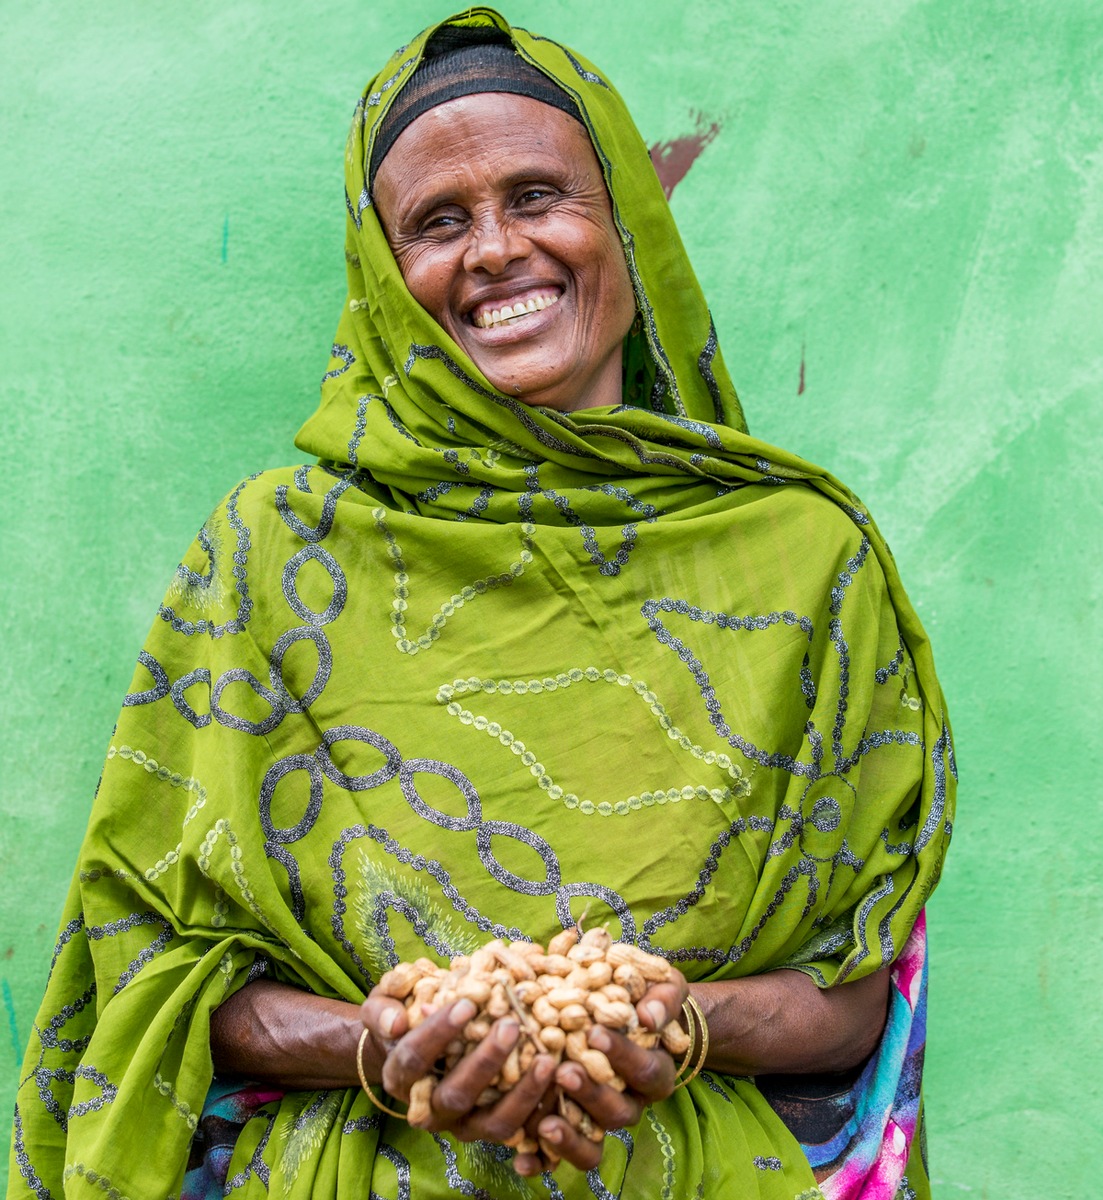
(493, 314)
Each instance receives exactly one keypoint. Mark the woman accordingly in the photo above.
(544, 636)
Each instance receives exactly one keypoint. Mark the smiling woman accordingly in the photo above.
(542, 637)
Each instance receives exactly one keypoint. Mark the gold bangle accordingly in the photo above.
(694, 1016)
(364, 1079)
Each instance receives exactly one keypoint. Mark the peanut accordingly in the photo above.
(650, 966)
(420, 1108)
(675, 1039)
(629, 978)
(584, 955)
(599, 937)
(562, 942)
(573, 1016)
(553, 1038)
(558, 996)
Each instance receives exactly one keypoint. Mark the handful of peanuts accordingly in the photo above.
(556, 995)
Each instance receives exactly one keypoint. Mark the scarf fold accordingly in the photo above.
(481, 670)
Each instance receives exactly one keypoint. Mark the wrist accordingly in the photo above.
(693, 1020)
(369, 1056)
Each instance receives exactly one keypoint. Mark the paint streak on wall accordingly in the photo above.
(674, 158)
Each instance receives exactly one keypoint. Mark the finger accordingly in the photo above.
(529, 1165)
(500, 1121)
(662, 1003)
(606, 1106)
(414, 1055)
(648, 1073)
(385, 1017)
(458, 1092)
(568, 1143)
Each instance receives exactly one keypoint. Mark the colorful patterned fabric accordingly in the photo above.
(875, 1153)
(482, 669)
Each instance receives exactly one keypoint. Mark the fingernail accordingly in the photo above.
(656, 1012)
(542, 1069)
(600, 1039)
(462, 1012)
(387, 1020)
(506, 1032)
(551, 1132)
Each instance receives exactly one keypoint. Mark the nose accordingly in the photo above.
(495, 243)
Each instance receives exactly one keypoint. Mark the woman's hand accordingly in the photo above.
(413, 1054)
(648, 1076)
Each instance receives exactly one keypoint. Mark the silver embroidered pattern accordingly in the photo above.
(519, 410)
(650, 611)
(491, 829)
(43, 1078)
(941, 756)
(239, 557)
(183, 707)
(709, 1081)
(882, 673)
(345, 355)
(255, 1166)
(606, 566)
(276, 772)
(588, 76)
(113, 928)
(289, 703)
(679, 909)
(26, 1168)
(329, 507)
(704, 365)
(361, 424)
(401, 1169)
(243, 724)
(65, 936)
(108, 1091)
(418, 863)
(337, 578)
(593, 1176)
(160, 682)
(613, 899)
(48, 1035)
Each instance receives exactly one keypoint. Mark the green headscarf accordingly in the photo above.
(481, 669)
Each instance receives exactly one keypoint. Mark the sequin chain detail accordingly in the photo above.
(449, 607)
(447, 693)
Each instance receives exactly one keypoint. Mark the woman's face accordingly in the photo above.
(496, 210)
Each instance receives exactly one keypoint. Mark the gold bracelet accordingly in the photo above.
(364, 1079)
(694, 1016)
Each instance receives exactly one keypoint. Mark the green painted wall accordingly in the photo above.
(906, 195)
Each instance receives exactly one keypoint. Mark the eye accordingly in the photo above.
(441, 223)
(534, 195)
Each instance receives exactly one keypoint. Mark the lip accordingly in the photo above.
(519, 326)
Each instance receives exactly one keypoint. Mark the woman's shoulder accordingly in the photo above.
(817, 509)
(272, 497)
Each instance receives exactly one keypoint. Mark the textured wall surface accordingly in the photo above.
(899, 223)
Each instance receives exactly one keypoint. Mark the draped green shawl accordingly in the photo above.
(482, 669)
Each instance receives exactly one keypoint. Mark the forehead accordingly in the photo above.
(488, 131)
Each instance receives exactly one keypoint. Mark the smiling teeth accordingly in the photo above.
(498, 316)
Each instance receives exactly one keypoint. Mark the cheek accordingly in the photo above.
(427, 277)
(614, 294)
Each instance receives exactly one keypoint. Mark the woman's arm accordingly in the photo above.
(273, 1033)
(782, 1023)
